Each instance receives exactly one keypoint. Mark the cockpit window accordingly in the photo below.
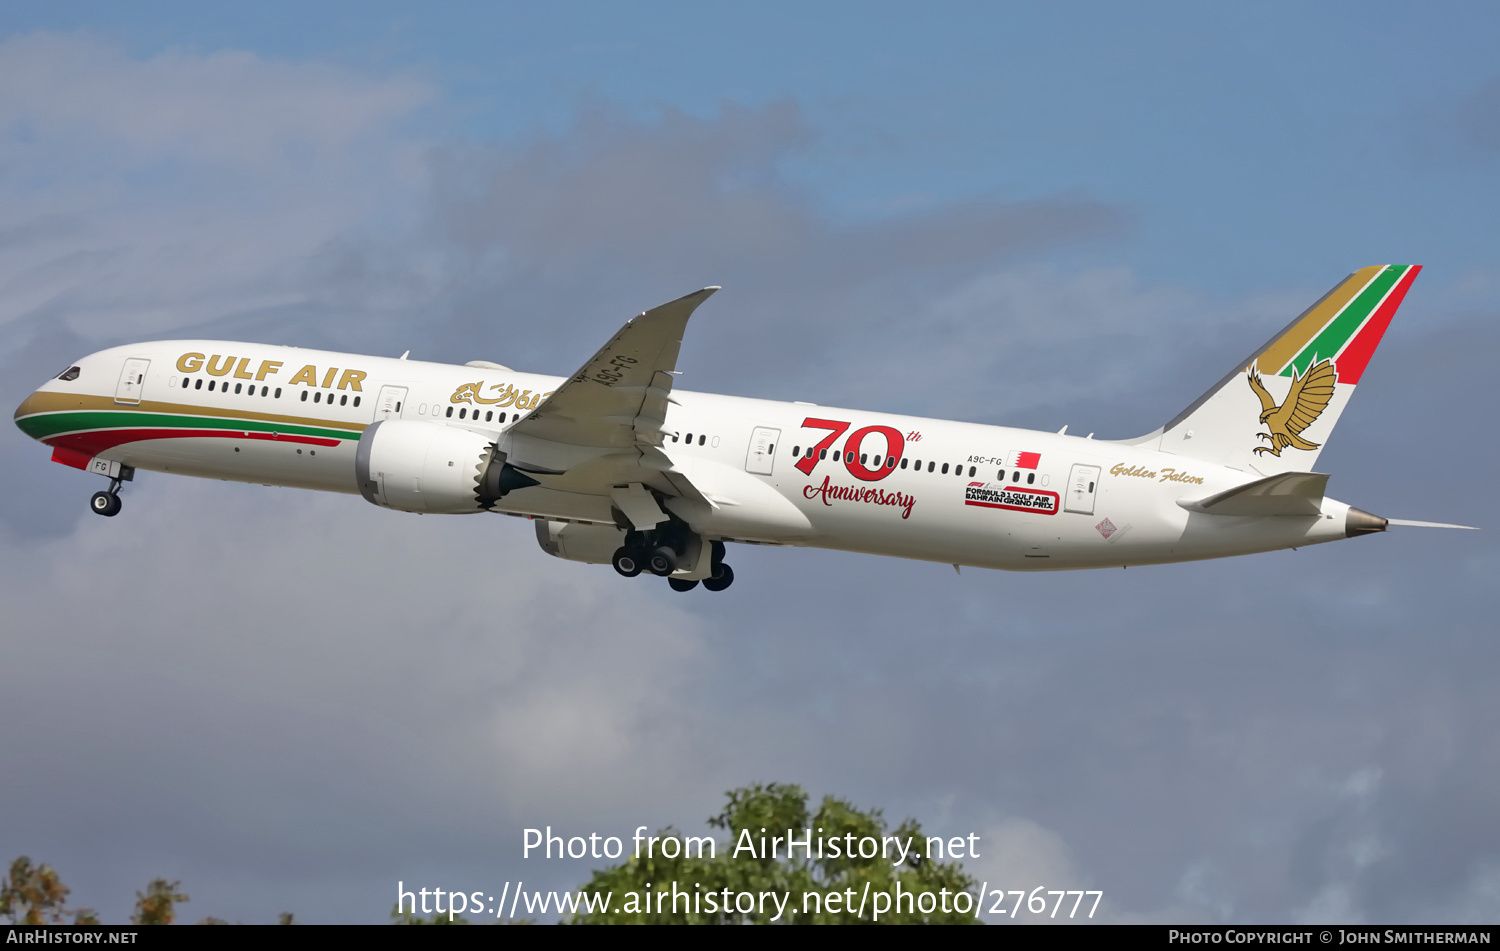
(70, 374)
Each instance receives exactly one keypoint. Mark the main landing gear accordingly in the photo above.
(656, 552)
(107, 502)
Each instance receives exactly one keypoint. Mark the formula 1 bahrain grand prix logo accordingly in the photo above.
(1304, 403)
(1014, 498)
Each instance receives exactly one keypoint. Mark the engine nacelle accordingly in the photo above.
(591, 544)
(417, 466)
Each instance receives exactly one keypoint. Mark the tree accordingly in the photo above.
(157, 905)
(825, 887)
(34, 895)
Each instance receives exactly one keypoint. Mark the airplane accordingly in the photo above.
(616, 465)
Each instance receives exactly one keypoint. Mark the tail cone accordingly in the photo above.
(1360, 522)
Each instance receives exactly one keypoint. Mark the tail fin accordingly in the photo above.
(1275, 410)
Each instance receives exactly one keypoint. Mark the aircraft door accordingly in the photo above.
(1083, 484)
(762, 452)
(132, 380)
(388, 406)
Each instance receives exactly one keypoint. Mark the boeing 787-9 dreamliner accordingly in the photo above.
(615, 465)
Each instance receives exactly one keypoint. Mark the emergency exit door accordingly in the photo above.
(1083, 485)
(132, 380)
(388, 405)
(762, 452)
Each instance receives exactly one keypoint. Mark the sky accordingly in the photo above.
(1075, 214)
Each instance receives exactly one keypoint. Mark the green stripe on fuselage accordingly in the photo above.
(1332, 338)
(47, 425)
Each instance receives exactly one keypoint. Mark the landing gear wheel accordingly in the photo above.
(105, 503)
(662, 562)
(724, 579)
(682, 584)
(627, 561)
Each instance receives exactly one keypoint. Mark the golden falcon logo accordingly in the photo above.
(1303, 405)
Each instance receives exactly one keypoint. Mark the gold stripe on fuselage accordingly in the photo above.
(52, 402)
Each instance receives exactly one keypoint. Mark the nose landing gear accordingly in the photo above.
(107, 503)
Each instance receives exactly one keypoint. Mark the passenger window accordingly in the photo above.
(796, 450)
(1000, 476)
(398, 405)
(890, 462)
(463, 411)
(344, 400)
(304, 396)
(1015, 476)
(945, 468)
(211, 385)
(277, 394)
(863, 457)
(971, 472)
(488, 414)
(1091, 486)
(873, 465)
(702, 439)
(1030, 478)
(903, 463)
(318, 397)
(822, 455)
(689, 439)
(930, 466)
(449, 413)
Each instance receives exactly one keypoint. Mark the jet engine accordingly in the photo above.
(417, 466)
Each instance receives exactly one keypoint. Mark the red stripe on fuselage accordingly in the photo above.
(98, 441)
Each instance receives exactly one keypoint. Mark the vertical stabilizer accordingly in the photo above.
(1275, 410)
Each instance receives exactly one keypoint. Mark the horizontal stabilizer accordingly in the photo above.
(1412, 524)
(1290, 493)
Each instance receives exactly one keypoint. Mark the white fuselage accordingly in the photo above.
(957, 492)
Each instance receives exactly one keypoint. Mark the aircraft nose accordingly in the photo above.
(27, 408)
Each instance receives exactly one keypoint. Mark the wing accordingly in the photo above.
(1306, 401)
(618, 399)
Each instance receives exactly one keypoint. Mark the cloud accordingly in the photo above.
(287, 699)
(307, 673)
(616, 211)
(147, 196)
(230, 108)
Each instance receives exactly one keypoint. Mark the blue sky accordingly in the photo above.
(1027, 216)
